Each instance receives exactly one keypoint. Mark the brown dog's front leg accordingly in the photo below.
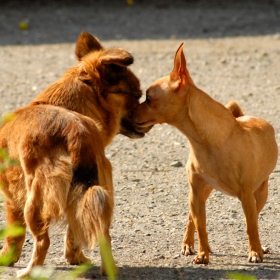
(73, 249)
(250, 210)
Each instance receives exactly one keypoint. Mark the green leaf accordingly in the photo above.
(11, 231)
(8, 117)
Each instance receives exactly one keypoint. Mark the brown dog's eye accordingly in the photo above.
(148, 99)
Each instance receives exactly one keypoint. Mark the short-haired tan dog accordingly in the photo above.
(229, 152)
(59, 141)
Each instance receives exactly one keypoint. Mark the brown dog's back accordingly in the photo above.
(57, 144)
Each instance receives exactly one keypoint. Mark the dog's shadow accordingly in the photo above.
(259, 271)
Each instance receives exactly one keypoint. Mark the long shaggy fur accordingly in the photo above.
(59, 141)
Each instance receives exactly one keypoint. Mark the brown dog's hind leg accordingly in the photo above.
(188, 240)
(73, 250)
(38, 227)
(250, 209)
(13, 244)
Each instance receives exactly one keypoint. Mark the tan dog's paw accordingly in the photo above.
(201, 258)
(187, 250)
(255, 257)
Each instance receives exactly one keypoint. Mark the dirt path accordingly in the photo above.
(151, 195)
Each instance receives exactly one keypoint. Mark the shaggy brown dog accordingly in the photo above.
(59, 141)
(229, 152)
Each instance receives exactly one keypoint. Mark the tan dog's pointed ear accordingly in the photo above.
(86, 43)
(179, 77)
(116, 56)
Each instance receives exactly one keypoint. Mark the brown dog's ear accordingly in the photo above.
(116, 56)
(86, 43)
(179, 77)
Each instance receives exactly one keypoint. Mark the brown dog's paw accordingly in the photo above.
(103, 271)
(255, 257)
(187, 250)
(77, 259)
(201, 258)
(266, 250)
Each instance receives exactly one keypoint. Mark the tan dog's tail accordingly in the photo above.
(234, 108)
(90, 213)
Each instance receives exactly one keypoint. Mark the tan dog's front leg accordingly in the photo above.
(188, 240)
(198, 212)
(250, 210)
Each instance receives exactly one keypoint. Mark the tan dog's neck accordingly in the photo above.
(205, 120)
(176, 100)
(202, 119)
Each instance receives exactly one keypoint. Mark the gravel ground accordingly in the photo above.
(233, 52)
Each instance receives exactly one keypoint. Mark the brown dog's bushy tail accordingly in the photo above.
(90, 214)
(234, 108)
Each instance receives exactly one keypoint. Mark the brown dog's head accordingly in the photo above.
(118, 89)
(166, 96)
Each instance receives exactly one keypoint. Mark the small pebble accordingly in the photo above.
(176, 163)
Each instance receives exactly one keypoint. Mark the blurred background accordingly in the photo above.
(24, 22)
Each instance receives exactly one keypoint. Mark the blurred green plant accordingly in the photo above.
(11, 231)
(240, 276)
(48, 272)
(108, 259)
(6, 161)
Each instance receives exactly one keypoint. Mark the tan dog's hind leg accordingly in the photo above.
(188, 240)
(13, 217)
(73, 250)
(261, 195)
(251, 214)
